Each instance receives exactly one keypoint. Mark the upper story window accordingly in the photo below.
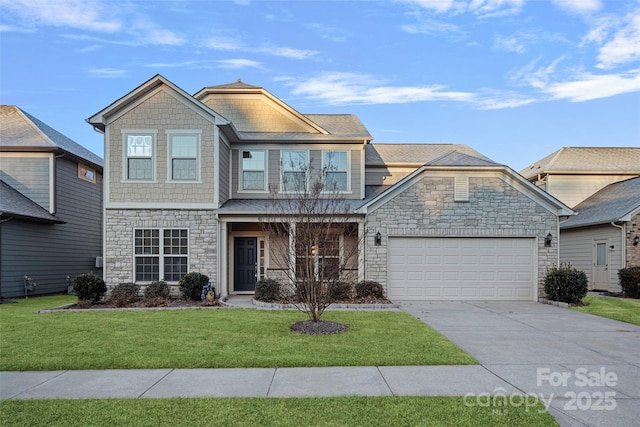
(183, 155)
(253, 168)
(140, 155)
(86, 173)
(295, 166)
(336, 170)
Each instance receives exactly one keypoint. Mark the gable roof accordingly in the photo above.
(615, 202)
(100, 119)
(587, 160)
(413, 155)
(16, 205)
(21, 131)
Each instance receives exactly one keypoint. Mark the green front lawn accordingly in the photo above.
(622, 309)
(341, 411)
(209, 338)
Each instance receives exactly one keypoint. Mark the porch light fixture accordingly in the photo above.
(636, 240)
(547, 240)
(378, 239)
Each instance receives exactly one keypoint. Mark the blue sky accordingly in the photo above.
(514, 79)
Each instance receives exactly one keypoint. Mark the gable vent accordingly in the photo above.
(461, 191)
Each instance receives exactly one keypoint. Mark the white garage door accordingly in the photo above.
(461, 268)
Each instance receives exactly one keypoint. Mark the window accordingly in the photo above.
(184, 149)
(322, 259)
(252, 166)
(294, 170)
(86, 173)
(139, 156)
(161, 258)
(336, 172)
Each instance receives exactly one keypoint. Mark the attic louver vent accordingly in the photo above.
(461, 191)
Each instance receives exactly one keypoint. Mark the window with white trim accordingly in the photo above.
(184, 155)
(295, 165)
(252, 170)
(321, 260)
(140, 152)
(161, 254)
(336, 172)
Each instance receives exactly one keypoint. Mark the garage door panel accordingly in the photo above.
(461, 268)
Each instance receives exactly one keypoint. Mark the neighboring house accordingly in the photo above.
(188, 180)
(583, 178)
(604, 235)
(50, 207)
(572, 174)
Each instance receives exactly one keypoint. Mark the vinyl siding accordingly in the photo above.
(576, 248)
(224, 172)
(573, 189)
(48, 253)
(30, 176)
(386, 175)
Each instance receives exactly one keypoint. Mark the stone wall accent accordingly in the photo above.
(633, 252)
(120, 225)
(495, 208)
(160, 112)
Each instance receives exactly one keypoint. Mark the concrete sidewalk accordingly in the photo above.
(255, 382)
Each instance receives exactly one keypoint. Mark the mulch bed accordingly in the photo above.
(325, 327)
(154, 303)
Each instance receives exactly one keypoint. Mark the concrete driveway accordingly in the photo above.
(585, 368)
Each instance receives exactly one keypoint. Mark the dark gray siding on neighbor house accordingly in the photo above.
(48, 253)
(30, 176)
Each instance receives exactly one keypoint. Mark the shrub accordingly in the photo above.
(89, 287)
(341, 291)
(267, 290)
(124, 294)
(630, 281)
(191, 285)
(157, 290)
(368, 288)
(565, 284)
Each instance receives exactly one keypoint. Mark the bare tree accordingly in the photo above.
(312, 236)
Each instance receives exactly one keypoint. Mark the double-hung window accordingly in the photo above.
(336, 176)
(161, 254)
(295, 165)
(140, 152)
(184, 155)
(321, 260)
(253, 168)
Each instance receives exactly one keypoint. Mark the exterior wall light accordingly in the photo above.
(636, 240)
(547, 240)
(378, 239)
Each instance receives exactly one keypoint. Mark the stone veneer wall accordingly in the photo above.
(494, 209)
(633, 252)
(120, 223)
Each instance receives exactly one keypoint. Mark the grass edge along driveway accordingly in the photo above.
(622, 309)
(334, 411)
(210, 338)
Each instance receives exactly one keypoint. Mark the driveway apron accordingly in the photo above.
(586, 369)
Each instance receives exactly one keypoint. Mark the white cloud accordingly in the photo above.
(107, 72)
(624, 45)
(230, 44)
(82, 14)
(352, 88)
(287, 52)
(591, 86)
(481, 8)
(509, 44)
(579, 6)
(223, 43)
(236, 64)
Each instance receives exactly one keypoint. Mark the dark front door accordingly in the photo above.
(245, 257)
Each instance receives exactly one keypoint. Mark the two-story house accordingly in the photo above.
(601, 184)
(189, 182)
(50, 207)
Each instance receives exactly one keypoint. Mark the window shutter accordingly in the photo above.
(461, 189)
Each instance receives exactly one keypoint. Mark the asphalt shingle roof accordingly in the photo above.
(587, 159)
(609, 204)
(19, 129)
(414, 154)
(14, 203)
